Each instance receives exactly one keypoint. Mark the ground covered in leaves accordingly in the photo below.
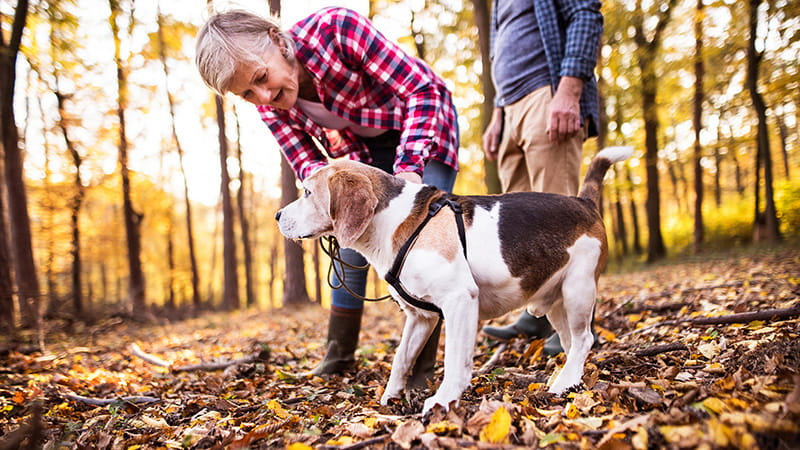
(657, 381)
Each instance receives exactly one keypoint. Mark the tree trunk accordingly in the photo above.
(244, 224)
(187, 203)
(6, 285)
(136, 284)
(483, 21)
(646, 53)
(19, 221)
(697, 120)
(770, 219)
(294, 285)
(637, 240)
(75, 205)
(230, 293)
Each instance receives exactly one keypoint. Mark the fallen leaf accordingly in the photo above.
(499, 427)
(407, 432)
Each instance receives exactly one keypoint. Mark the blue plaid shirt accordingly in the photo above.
(570, 32)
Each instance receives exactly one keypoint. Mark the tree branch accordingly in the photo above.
(107, 401)
(152, 359)
(747, 317)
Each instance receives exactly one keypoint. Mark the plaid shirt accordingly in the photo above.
(365, 78)
(571, 31)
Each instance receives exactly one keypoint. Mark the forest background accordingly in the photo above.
(128, 188)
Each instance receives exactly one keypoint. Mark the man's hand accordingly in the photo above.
(565, 110)
(493, 134)
(410, 176)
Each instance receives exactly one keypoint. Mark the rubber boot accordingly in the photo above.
(426, 361)
(526, 326)
(343, 328)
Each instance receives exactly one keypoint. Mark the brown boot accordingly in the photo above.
(426, 361)
(343, 328)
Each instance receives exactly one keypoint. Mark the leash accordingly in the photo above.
(333, 251)
(393, 275)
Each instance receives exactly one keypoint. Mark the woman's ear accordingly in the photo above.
(352, 205)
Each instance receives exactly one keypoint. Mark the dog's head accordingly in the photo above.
(338, 200)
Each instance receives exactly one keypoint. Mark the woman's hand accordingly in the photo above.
(410, 176)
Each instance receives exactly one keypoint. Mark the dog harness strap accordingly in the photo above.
(393, 275)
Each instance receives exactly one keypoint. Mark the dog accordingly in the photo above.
(546, 250)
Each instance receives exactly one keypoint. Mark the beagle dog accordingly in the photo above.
(522, 248)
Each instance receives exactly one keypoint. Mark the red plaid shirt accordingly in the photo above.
(367, 79)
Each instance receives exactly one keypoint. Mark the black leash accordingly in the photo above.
(333, 252)
(393, 275)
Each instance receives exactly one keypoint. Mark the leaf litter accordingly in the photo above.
(238, 380)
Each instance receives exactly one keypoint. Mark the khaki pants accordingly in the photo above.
(527, 160)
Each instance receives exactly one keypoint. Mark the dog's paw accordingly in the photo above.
(559, 388)
(432, 402)
(388, 396)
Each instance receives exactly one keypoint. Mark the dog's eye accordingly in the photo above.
(306, 193)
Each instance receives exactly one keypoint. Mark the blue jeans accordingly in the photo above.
(435, 174)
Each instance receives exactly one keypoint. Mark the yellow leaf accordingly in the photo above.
(276, 407)
(572, 411)
(370, 422)
(715, 405)
(299, 446)
(499, 427)
(442, 428)
(343, 440)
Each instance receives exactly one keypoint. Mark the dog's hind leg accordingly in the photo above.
(579, 290)
(416, 331)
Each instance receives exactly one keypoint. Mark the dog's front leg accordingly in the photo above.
(416, 331)
(461, 325)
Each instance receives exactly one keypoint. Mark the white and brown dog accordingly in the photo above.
(523, 248)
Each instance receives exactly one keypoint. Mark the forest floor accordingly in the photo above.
(660, 379)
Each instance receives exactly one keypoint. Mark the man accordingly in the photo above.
(543, 56)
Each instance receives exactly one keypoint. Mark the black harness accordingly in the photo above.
(393, 275)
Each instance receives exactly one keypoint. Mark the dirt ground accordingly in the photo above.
(661, 378)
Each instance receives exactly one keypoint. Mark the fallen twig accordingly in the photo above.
(747, 317)
(357, 445)
(493, 360)
(152, 359)
(107, 401)
(208, 367)
(637, 308)
(658, 349)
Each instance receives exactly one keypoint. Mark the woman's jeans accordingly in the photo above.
(382, 149)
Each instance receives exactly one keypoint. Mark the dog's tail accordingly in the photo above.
(593, 181)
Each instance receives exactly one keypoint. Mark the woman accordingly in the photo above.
(333, 86)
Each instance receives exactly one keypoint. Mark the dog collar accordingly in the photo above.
(393, 275)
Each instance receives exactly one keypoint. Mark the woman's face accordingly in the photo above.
(272, 81)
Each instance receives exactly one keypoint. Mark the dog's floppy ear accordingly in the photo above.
(352, 205)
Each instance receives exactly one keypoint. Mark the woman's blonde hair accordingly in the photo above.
(231, 38)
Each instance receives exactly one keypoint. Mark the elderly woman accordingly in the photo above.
(333, 86)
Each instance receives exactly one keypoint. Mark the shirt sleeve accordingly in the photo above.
(300, 150)
(362, 45)
(584, 28)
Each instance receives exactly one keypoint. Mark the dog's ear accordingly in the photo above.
(352, 205)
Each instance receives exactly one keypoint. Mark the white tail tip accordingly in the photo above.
(616, 154)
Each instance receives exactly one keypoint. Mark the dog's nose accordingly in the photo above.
(278, 215)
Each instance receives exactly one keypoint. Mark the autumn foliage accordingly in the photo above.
(656, 381)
